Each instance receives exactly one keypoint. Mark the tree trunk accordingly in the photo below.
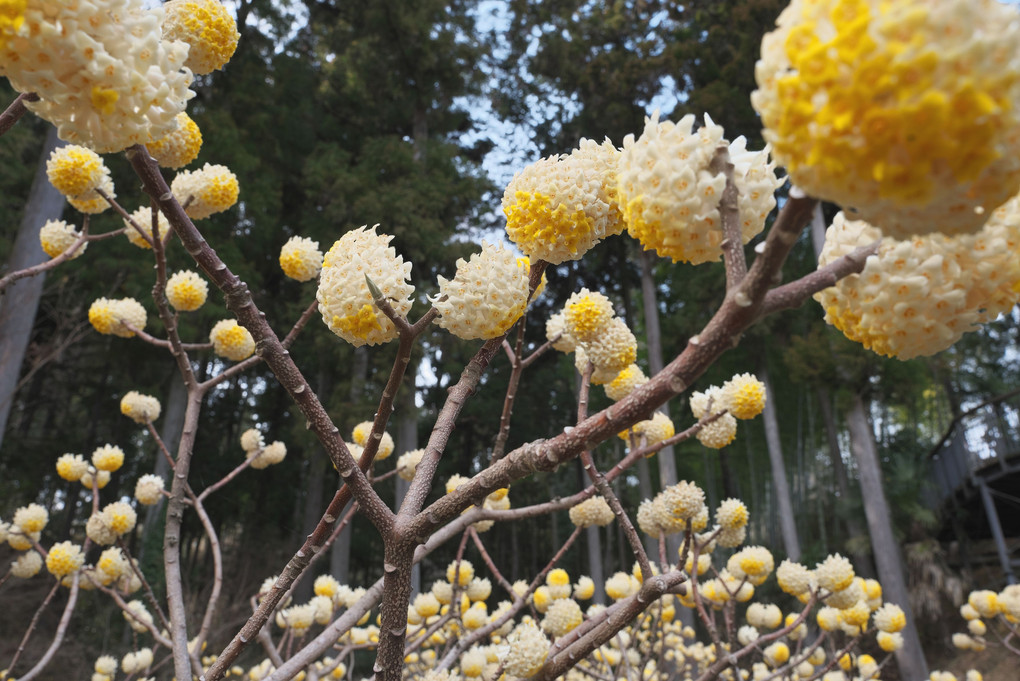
(21, 300)
(886, 550)
(787, 521)
(862, 561)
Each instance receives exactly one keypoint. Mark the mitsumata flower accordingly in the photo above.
(140, 408)
(345, 302)
(56, 236)
(112, 316)
(301, 259)
(559, 207)
(593, 511)
(207, 27)
(108, 458)
(209, 190)
(670, 198)
(186, 291)
(104, 75)
(905, 113)
(181, 146)
(92, 203)
(75, 170)
(486, 296)
(231, 340)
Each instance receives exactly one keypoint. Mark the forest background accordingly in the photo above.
(413, 115)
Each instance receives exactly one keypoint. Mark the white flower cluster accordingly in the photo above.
(345, 302)
(670, 198)
(486, 296)
(104, 75)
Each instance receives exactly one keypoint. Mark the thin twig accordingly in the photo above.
(729, 212)
(13, 113)
(34, 270)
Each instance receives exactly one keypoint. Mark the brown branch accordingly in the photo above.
(58, 636)
(131, 221)
(729, 212)
(795, 293)
(13, 113)
(161, 343)
(34, 270)
(511, 391)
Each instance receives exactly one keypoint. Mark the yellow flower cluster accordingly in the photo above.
(917, 297)
(625, 383)
(181, 146)
(12, 16)
(64, 558)
(92, 203)
(71, 467)
(104, 76)
(204, 192)
(186, 291)
(271, 454)
(486, 296)
(345, 302)
(56, 236)
(670, 198)
(559, 207)
(363, 431)
(142, 217)
(594, 511)
(110, 316)
(904, 111)
(149, 489)
(75, 170)
(140, 408)
(231, 340)
(743, 397)
(108, 458)
(207, 27)
(301, 259)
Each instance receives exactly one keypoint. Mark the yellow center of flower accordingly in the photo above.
(360, 324)
(532, 220)
(104, 100)
(558, 577)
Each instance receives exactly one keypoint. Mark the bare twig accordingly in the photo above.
(13, 113)
(58, 636)
(729, 211)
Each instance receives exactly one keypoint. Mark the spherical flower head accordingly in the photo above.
(186, 291)
(486, 296)
(56, 236)
(93, 203)
(671, 198)
(835, 573)
(231, 340)
(138, 229)
(594, 511)
(557, 577)
(620, 585)
(137, 661)
(460, 572)
(301, 259)
(31, 518)
(26, 565)
(102, 479)
(526, 652)
(64, 559)
(732, 513)
(137, 616)
(890, 617)
(207, 27)
(625, 382)
(889, 642)
(426, 604)
(905, 111)
(613, 350)
(985, 602)
(776, 654)
(120, 517)
(108, 458)
(587, 314)
(917, 297)
(103, 75)
(764, 615)
(106, 665)
(563, 616)
(71, 467)
(270, 455)
(75, 170)
(407, 463)
(700, 402)
(251, 440)
(149, 489)
(559, 207)
(744, 396)
(648, 519)
(211, 189)
(718, 433)
(556, 333)
(112, 564)
(113, 316)
(179, 147)
(794, 578)
(753, 562)
(345, 301)
(478, 589)
(140, 408)
(684, 500)
(585, 588)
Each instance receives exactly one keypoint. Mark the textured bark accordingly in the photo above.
(21, 300)
(787, 521)
(888, 560)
